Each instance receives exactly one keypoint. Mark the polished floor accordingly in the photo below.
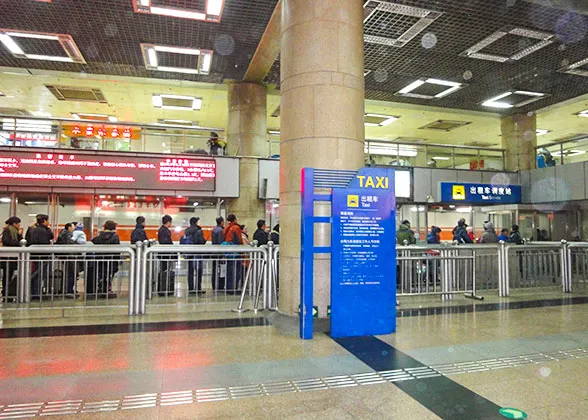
(458, 363)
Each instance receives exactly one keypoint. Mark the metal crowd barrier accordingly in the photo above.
(68, 276)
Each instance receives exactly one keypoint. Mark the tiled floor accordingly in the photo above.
(96, 367)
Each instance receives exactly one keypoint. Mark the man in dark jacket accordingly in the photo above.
(107, 266)
(260, 234)
(11, 237)
(275, 235)
(460, 233)
(138, 234)
(194, 232)
(218, 237)
(515, 236)
(166, 278)
(40, 235)
(65, 237)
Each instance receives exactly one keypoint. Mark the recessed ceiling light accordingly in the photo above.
(177, 102)
(495, 102)
(94, 117)
(33, 126)
(452, 88)
(5, 200)
(212, 13)
(542, 132)
(583, 114)
(152, 62)
(569, 153)
(274, 132)
(575, 68)
(544, 38)
(440, 158)
(73, 54)
(366, 72)
(378, 120)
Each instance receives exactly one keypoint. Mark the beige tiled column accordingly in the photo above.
(246, 136)
(519, 139)
(322, 107)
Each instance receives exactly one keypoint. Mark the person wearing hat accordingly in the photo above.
(405, 234)
(434, 237)
(460, 233)
(489, 236)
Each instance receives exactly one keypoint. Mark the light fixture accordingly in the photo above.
(583, 114)
(366, 72)
(379, 12)
(575, 68)
(452, 87)
(463, 210)
(379, 120)
(495, 102)
(177, 102)
(195, 203)
(542, 132)
(34, 126)
(5, 200)
(152, 62)
(274, 132)
(569, 153)
(440, 158)
(94, 117)
(73, 54)
(212, 13)
(544, 38)
(392, 149)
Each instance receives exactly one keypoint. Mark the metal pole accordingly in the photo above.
(133, 271)
(13, 203)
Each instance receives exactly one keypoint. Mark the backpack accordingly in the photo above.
(186, 240)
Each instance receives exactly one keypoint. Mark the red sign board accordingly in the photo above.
(88, 170)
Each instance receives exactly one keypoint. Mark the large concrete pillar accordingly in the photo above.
(519, 139)
(322, 108)
(246, 136)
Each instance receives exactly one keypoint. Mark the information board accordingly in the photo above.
(480, 193)
(363, 256)
(85, 170)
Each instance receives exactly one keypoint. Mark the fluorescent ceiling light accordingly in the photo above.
(495, 102)
(366, 72)
(440, 158)
(72, 53)
(152, 62)
(112, 118)
(569, 153)
(35, 126)
(541, 132)
(212, 13)
(463, 210)
(274, 132)
(453, 87)
(157, 101)
(544, 39)
(583, 114)
(575, 69)
(5, 200)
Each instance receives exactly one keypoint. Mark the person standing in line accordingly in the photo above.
(218, 237)
(470, 231)
(515, 236)
(460, 233)
(107, 266)
(434, 237)
(275, 235)
(11, 237)
(503, 235)
(489, 236)
(196, 237)
(405, 234)
(234, 236)
(65, 237)
(260, 234)
(138, 234)
(166, 278)
(78, 235)
(41, 234)
(245, 235)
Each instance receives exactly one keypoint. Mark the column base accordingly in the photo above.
(290, 324)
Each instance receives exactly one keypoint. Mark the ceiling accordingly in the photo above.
(436, 53)
(109, 33)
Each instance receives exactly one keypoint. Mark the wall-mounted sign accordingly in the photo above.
(102, 130)
(89, 170)
(480, 193)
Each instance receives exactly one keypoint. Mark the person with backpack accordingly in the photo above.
(65, 237)
(11, 237)
(107, 265)
(78, 235)
(233, 236)
(405, 234)
(275, 235)
(40, 234)
(434, 238)
(260, 234)
(460, 233)
(515, 236)
(218, 237)
(489, 236)
(138, 234)
(194, 236)
(166, 278)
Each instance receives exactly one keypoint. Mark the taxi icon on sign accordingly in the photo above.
(459, 192)
(353, 201)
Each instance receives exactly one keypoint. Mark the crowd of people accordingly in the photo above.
(99, 281)
(462, 234)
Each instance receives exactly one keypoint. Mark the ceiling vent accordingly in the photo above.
(15, 112)
(481, 144)
(276, 113)
(394, 25)
(78, 94)
(445, 125)
(408, 140)
(185, 123)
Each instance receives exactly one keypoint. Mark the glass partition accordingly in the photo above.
(439, 157)
(571, 151)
